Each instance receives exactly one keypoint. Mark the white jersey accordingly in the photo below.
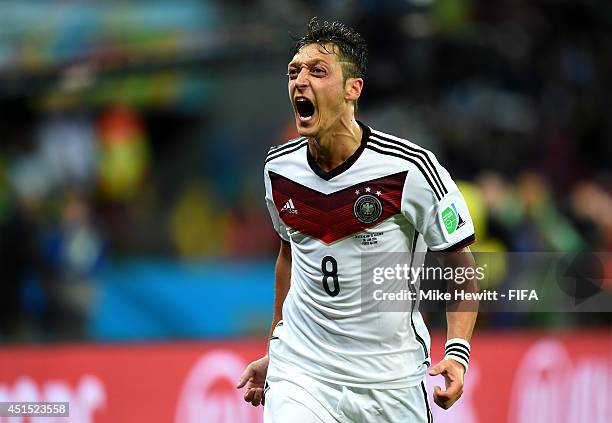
(389, 196)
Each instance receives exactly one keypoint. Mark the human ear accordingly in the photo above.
(352, 88)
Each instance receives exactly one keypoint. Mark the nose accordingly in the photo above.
(302, 79)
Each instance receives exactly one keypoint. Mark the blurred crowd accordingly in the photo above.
(104, 160)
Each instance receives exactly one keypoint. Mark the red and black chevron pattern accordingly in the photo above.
(329, 217)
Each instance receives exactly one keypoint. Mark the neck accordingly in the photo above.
(337, 144)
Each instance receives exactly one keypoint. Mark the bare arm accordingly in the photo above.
(254, 376)
(282, 282)
(460, 318)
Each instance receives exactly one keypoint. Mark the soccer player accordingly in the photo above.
(340, 190)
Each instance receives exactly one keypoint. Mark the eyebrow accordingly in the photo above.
(307, 63)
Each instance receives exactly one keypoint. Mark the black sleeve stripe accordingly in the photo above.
(439, 191)
(278, 148)
(417, 150)
(421, 153)
(289, 144)
(407, 158)
(285, 151)
(459, 245)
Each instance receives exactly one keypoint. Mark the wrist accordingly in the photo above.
(458, 350)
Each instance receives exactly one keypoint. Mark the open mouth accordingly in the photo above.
(304, 107)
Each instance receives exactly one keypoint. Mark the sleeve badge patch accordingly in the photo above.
(452, 219)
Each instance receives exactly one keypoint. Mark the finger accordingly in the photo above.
(437, 369)
(446, 398)
(453, 387)
(446, 403)
(439, 393)
(250, 393)
(257, 397)
(434, 371)
(246, 375)
(440, 398)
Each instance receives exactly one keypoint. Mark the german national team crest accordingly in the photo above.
(367, 208)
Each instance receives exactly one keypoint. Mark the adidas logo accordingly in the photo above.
(288, 207)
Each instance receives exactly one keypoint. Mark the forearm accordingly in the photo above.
(282, 283)
(461, 315)
(460, 324)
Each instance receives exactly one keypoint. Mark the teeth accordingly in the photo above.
(304, 108)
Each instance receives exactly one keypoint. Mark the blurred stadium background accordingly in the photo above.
(136, 254)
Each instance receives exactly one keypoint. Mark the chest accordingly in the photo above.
(339, 214)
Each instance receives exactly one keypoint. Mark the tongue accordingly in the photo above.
(304, 107)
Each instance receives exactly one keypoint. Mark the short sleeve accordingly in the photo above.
(433, 204)
(278, 224)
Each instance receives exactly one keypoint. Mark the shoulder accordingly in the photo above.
(419, 158)
(386, 144)
(281, 150)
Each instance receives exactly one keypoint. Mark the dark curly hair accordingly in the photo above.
(353, 50)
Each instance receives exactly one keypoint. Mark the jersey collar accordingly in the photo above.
(344, 166)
